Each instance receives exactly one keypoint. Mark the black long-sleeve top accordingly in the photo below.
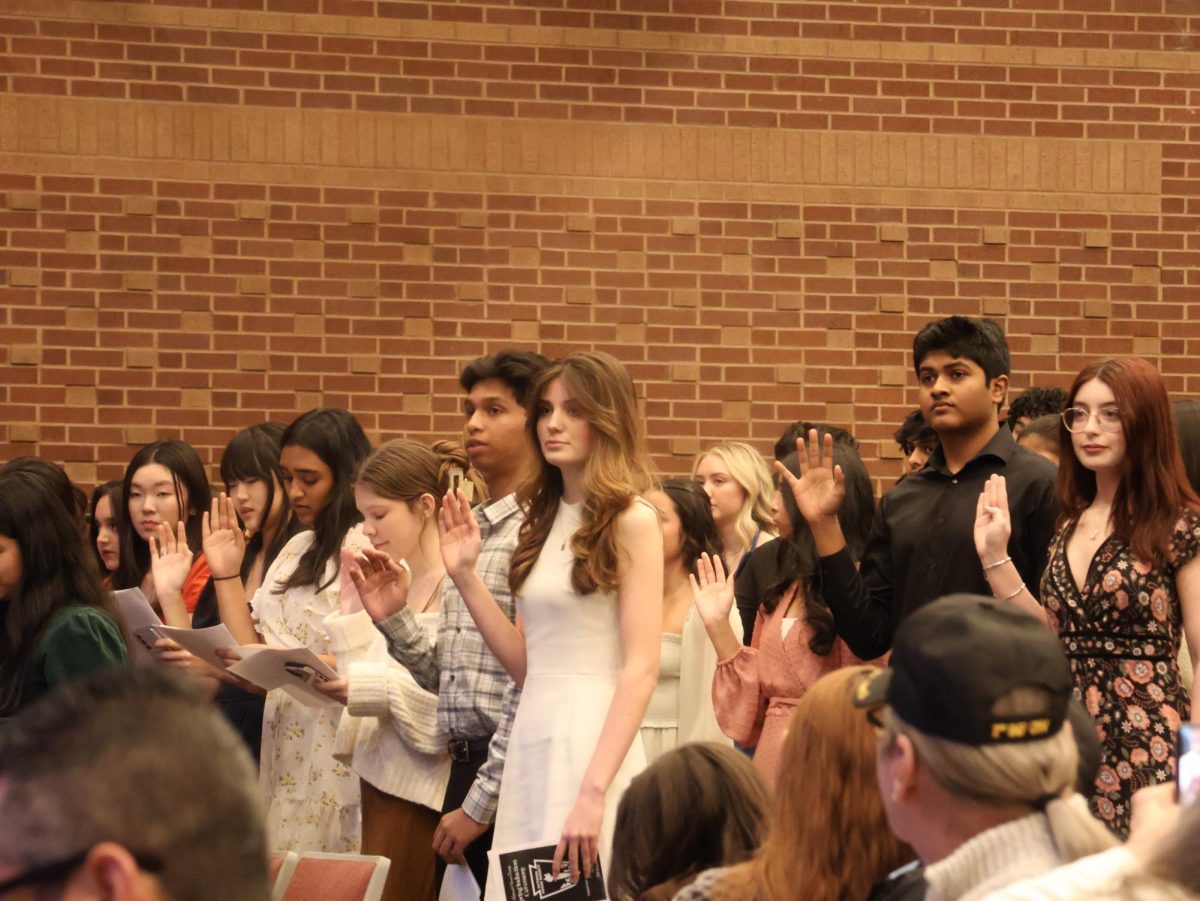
(922, 546)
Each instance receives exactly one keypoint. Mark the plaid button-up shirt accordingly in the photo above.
(476, 697)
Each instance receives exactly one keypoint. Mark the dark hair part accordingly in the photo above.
(1044, 427)
(915, 432)
(189, 479)
(112, 491)
(800, 429)
(57, 572)
(253, 453)
(73, 498)
(698, 531)
(516, 368)
(134, 757)
(964, 337)
(1033, 403)
(796, 556)
(1154, 488)
(336, 437)
(696, 807)
(1187, 427)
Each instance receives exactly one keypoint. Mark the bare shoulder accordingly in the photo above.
(639, 521)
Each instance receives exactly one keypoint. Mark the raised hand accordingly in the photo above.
(348, 599)
(822, 486)
(459, 534)
(993, 526)
(712, 590)
(381, 582)
(170, 560)
(223, 539)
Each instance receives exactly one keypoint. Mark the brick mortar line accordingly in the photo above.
(606, 39)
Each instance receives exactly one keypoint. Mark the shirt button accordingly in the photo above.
(452, 677)
(458, 629)
(941, 520)
(954, 481)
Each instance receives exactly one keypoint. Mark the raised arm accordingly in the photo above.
(224, 548)
(459, 533)
(993, 528)
(170, 563)
(639, 598)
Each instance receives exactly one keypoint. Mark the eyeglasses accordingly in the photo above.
(1076, 419)
(58, 870)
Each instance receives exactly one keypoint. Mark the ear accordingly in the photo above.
(427, 505)
(999, 389)
(902, 770)
(108, 873)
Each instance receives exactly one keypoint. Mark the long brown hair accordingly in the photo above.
(1154, 488)
(404, 470)
(617, 470)
(829, 833)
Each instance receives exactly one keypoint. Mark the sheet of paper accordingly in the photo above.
(140, 621)
(265, 668)
(202, 643)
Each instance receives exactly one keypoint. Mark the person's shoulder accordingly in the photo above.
(639, 518)
(79, 622)
(1024, 464)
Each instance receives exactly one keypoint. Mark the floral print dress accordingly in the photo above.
(1121, 634)
(313, 801)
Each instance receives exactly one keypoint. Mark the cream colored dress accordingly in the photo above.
(312, 800)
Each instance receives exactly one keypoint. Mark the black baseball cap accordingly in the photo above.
(954, 658)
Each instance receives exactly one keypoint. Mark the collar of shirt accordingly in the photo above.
(1001, 446)
(498, 511)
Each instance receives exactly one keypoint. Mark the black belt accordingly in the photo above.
(466, 750)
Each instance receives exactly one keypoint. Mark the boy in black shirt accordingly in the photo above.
(921, 544)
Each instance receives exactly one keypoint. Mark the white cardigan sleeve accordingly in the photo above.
(697, 665)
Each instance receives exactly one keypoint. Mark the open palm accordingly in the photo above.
(459, 535)
(712, 590)
(381, 582)
(821, 488)
(170, 560)
(223, 538)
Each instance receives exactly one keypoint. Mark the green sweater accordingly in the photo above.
(78, 641)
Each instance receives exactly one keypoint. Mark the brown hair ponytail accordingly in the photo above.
(404, 470)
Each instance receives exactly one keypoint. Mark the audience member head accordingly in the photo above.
(917, 441)
(974, 703)
(319, 454)
(1041, 436)
(583, 419)
(962, 367)
(126, 785)
(1187, 427)
(252, 476)
(688, 529)
(495, 432)
(164, 484)
(829, 832)
(796, 554)
(45, 567)
(1034, 403)
(698, 806)
(1111, 403)
(800, 429)
(73, 499)
(399, 489)
(738, 483)
(105, 518)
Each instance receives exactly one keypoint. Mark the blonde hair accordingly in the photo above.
(617, 470)
(999, 775)
(746, 466)
(404, 470)
(829, 831)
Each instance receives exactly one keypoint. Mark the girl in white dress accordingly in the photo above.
(587, 577)
(312, 799)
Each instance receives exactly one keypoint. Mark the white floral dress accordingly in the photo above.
(312, 800)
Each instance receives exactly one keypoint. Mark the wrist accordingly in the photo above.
(592, 791)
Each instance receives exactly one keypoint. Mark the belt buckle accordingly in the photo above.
(459, 750)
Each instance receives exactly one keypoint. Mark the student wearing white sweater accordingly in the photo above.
(391, 738)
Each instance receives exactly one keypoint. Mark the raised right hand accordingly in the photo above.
(224, 541)
(382, 583)
(712, 590)
(459, 534)
(993, 526)
(821, 488)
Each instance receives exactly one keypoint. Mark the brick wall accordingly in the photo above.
(218, 211)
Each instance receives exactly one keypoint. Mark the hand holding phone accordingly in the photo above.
(304, 672)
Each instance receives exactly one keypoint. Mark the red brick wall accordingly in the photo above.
(218, 211)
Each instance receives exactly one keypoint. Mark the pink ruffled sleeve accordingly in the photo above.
(737, 693)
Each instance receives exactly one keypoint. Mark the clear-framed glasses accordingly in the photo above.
(1077, 418)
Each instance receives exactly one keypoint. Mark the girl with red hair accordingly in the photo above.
(1122, 585)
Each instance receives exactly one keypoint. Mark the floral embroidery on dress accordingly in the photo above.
(1122, 635)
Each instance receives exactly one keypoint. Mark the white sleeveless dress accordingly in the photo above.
(573, 653)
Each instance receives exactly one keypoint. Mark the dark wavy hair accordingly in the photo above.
(112, 491)
(338, 440)
(188, 477)
(253, 453)
(515, 368)
(1154, 488)
(979, 340)
(697, 529)
(56, 572)
(796, 556)
(56, 480)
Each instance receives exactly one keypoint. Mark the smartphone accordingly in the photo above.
(305, 672)
(1188, 764)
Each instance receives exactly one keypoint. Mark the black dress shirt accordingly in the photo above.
(922, 546)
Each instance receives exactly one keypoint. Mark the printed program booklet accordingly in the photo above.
(526, 874)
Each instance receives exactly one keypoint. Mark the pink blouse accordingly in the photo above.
(755, 690)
